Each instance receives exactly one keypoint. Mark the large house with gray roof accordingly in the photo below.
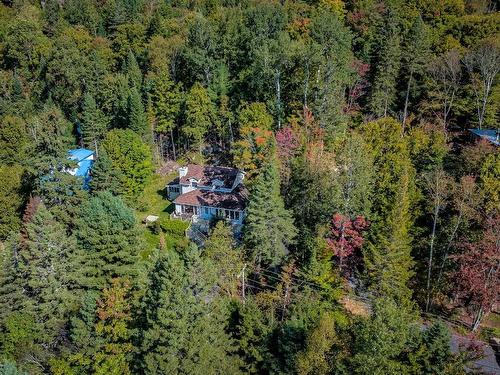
(209, 192)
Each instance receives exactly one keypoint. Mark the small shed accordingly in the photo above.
(84, 159)
(491, 135)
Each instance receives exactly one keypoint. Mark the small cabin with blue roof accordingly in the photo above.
(84, 158)
(491, 135)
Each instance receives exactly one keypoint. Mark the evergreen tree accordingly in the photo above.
(36, 291)
(133, 71)
(46, 255)
(381, 340)
(61, 192)
(93, 122)
(269, 228)
(415, 55)
(433, 354)
(112, 328)
(82, 326)
(333, 73)
(200, 115)
(11, 199)
(220, 248)
(136, 115)
(104, 176)
(108, 242)
(52, 132)
(15, 145)
(184, 330)
(166, 106)
(12, 298)
(9, 368)
(387, 254)
(387, 65)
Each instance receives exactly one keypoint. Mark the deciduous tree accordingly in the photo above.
(131, 158)
(346, 236)
(477, 278)
(483, 64)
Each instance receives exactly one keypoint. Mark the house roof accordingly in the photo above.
(488, 134)
(205, 175)
(83, 168)
(236, 200)
(80, 154)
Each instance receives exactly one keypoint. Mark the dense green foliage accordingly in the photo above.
(350, 109)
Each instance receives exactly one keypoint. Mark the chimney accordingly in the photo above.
(238, 179)
(183, 171)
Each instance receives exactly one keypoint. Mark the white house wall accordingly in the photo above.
(187, 188)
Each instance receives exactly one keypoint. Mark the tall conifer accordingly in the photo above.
(108, 242)
(184, 330)
(269, 228)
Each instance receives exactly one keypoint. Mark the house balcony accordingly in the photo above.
(186, 216)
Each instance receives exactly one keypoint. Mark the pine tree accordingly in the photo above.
(82, 326)
(93, 122)
(108, 242)
(11, 199)
(228, 260)
(387, 254)
(437, 353)
(9, 368)
(184, 330)
(52, 131)
(269, 228)
(166, 106)
(387, 67)
(104, 176)
(12, 298)
(381, 340)
(113, 311)
(200, 115)
(136, 115)
(46, 255)
(133, 71)
(415, 56)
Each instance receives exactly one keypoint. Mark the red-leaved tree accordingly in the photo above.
(346, 236)
(477, 278)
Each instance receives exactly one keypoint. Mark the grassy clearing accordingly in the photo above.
(153, 201)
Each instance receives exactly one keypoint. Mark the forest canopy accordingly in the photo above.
(373, 214)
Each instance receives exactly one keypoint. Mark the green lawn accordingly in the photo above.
(153, 201)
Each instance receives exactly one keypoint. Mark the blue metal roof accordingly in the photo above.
(79, 154)
(83, 168)
(489, 134)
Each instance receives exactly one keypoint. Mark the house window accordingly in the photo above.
(236, 215)
(174, 189)
(219, 212)
(207, 210)
(194, 184)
